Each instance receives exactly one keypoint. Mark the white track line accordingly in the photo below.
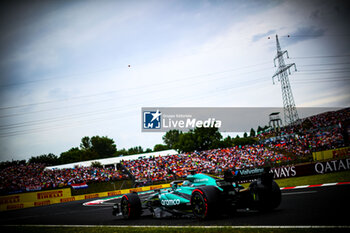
(165, 227)
(296, 193)
(314, 185)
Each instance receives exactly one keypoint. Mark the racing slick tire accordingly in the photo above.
(205, 202)
(130, 206)
(265, 198)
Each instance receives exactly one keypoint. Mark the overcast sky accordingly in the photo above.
(70, 69)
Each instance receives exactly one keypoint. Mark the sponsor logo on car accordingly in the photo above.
(171, 202)
(251, 172)
(200, 180)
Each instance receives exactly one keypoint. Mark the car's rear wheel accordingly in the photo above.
(265, 198)
(130, 206)
(204, 202)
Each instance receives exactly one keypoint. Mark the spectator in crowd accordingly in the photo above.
(31, 177)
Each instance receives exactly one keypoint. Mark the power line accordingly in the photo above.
(322, 56)
(327, 69)
(322, 81)
(103, 111)
(128, 89)
(88, 114)
(149, 92)
(176, 80)
(56, 101)
(80, 121)
(321, 72)
(111, 99)
(321, 78)
(318, 35)
(60, 77)
(327, 64)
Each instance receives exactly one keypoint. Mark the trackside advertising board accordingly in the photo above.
(34, 199)
(312, 168)
(331, 154)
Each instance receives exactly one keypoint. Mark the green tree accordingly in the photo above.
(85, 143)
(121, 152)
(92, 148)
(227, 142)
(266, 127)
(48, 159)
(12, 163)
(96, 164)
(71, 156)
(160, 147)
(252, 132)
(244, 141)
(207, 138)
(171, 138)
(187, 142)
(88, 155)
(148, 150)
(199, 139)
(245, 135)
(135, 150)
(103, 146)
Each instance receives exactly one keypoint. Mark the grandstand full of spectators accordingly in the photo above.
(315, 133)
(32, 177)
(209, 161)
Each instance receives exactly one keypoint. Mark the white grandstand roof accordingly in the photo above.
(114, 160)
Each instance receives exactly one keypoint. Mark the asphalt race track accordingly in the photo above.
(318, 206)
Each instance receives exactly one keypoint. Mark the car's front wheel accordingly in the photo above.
(130, 206)
(204, 202)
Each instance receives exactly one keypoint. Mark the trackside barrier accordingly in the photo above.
(34, 199)
(331, 154)
(120, 192)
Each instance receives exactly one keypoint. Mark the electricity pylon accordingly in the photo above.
(290, 112)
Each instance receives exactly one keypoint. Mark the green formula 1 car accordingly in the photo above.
(205, 196)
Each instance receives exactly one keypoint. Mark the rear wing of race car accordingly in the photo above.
(237, 176)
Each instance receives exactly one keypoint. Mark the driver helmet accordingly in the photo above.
(186, 183)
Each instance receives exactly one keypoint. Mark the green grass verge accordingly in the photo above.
(102, 229)
(343, 176)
